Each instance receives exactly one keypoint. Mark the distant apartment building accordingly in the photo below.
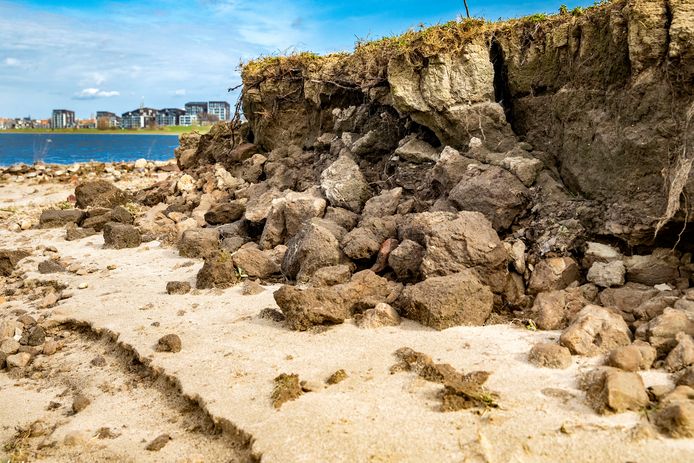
(169, 116)
(188, 119)
(221, 109)
(86, 123)
(139, 118)
(196, 107)
(62, 119)
(107, 120)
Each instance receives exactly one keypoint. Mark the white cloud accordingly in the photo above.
(12, 62)
(93, 93)
(94, 78)
(180, 92)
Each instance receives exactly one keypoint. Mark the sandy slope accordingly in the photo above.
(230, 357)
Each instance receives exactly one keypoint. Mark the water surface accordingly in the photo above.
(67, 148)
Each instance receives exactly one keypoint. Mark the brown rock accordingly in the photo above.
(553, 273)
(406, 259)
(9, 258)
(610, 390)
(337, 377)
(80, 402)
(73, 233)
(360, 244)
(553, 310)
(686, 377)
(158, 443)
(310, 249)
(304, 308)
(659, 267)
(381, 315)
(178, 287)
(384, 204)
(120, 236)
(55, 218)
(595, 331)
(169, 343)
(682, 355)
(217, 272)
(33, 336)
(443, 302)
(199, 242)
(675, 413)
(50, 266)
(253, 262)
(632, 358)
(287, 387)
(19, 360)
(226, 212)
(331, 276)
(9, 346)
(344, 184)
(99, 193)
(661, 332)
(50, 347)
(550, 355)
(251, 288)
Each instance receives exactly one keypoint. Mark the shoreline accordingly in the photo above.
(199, 129)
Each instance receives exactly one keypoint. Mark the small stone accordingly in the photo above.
(553, 273)
(185, 183)
(9, 346)
(80, 402)
(98, 361)
(34, 336)
(82, 286)
(607, 274)
(287, 387)
(169, 343)
(638, 356)
(50, 347)
(677, 419)
(121, 236)
(158, 443)
(111, 267)
(381, 315)
(19, 360)
(682, 355)
(595, 330)
(26, 320)
(178, 287)
(7, 328)
(271, 314)
(550, 355)
(50, 266)
(337, 377)
(611, 390)
(251, 288)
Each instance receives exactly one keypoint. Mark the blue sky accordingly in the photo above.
(108, 55)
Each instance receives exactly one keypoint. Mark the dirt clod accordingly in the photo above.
(287, 387)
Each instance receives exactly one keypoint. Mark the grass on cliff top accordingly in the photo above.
(450, 37)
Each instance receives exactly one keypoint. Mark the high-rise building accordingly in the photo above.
(139, 118)
(62, 119)
(221, 109)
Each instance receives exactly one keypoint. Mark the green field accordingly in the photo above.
(169, 130)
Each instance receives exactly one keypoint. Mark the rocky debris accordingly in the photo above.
(342, 217)
(33, 336)
(18, 360)
(158, 443)
(611, 390)
(686, 377)
(661, 332)
(494, 192)
(199, 242)
(360, 244)
(10, 346)
(287, 387)
(550, 355)
(73, 233)
(7, 329)
(311, 248)
(311, 306)
(443, 302)
(553, 273)
(50, 347)
(381, 315)
(595, 330)
(337, 377)
(660, 267)
(288, 214)
(272, 314)
(251, 288)
(54, 218)
(255, 263)
(178, 287)
(9, 258)
(120, 236)
(682, 355)
(406, 260)
(599, 252)
(218, 271)
(169, 343)
(344, 184)
(226, 212)
(607, 274)
(80, 402)
(99, 193)
(461, 391)
(417, 151)
(674, 415)
(637, 356)
(454, 242)
(50, 266)
(384, 204)
(553, 310)
(331, 276)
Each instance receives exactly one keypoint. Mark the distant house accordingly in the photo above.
(196, 108)
(188, 119)
(221, 109)
(86, 124)
(169, 116)
(107, 120)
(62, 119)
(139, 118)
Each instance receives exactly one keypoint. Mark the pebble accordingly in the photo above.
(80, 402)
(19, 360)
(158, 443)
(111, 267)
(9, 346)
(169, 343)
(82, 286)
(50, 347)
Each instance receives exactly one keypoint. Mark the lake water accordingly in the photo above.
(61, 148)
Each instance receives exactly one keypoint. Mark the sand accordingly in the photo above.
(230, 357)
